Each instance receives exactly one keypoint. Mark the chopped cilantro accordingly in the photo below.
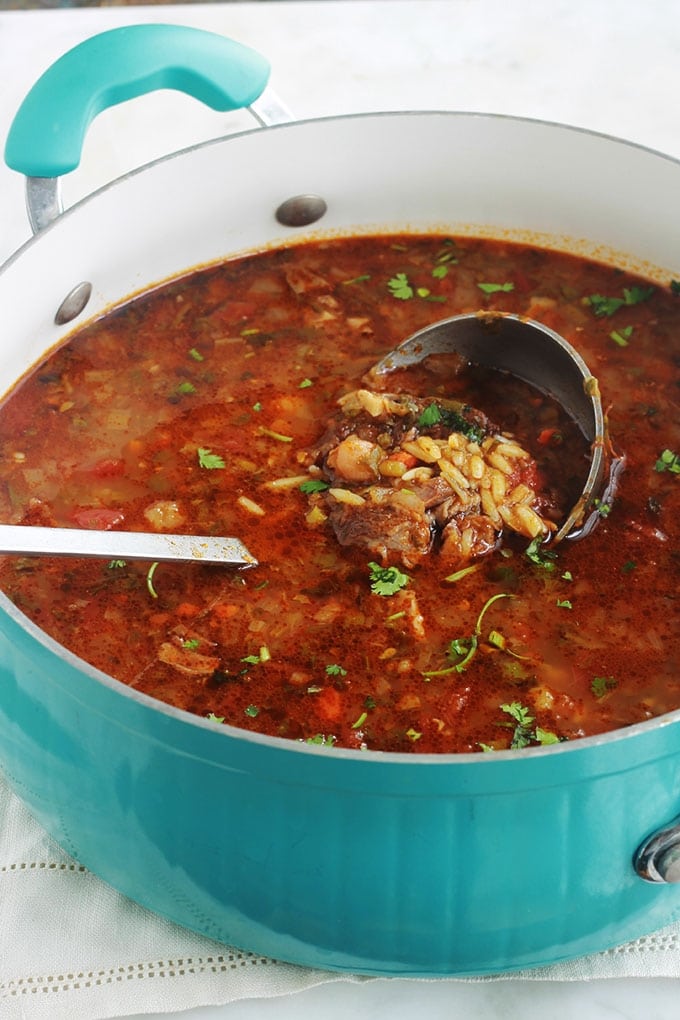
(604, 306)
(621, 336)
(358, 279)
(440, 271)
(211, 717)
(541, 557)
(400, 287)
(209, 460)
(601, 685)
(386, 580)
(252, 711)
(522, 735)
(463, 572)
(360, 721)
(257, 406)
(191, 644)
(321, 740)
(195, 355)
(494, 288)
(274, 435)
(545, 736)
(332, 669)
(628, 567)
(149, 580)
(564, 604)
(668, 461)
(413, 734)
(431, 415)
(185, 388)
(305, 384)
(116, 564)
(314, 485)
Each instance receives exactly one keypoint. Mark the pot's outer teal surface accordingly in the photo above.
(384, 864)
(381, 864)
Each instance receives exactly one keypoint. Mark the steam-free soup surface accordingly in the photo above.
(210, 406)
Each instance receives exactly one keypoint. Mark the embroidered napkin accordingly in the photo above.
(72, 946)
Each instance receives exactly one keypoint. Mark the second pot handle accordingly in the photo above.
(47, 135)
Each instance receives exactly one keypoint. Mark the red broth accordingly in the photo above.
(178, 411)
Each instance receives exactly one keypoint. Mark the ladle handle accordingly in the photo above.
(19, 539)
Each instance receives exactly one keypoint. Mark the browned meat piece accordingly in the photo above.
(409, 473)
(388, 523)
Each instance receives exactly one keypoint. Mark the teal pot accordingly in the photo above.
(376, 863)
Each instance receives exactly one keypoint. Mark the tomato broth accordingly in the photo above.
(203, 407)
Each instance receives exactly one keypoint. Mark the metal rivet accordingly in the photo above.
(73, 303)
(301, 210)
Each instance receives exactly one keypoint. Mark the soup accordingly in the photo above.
(405, 598)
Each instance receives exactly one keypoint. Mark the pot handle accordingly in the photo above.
(657, 859)
(46, 137)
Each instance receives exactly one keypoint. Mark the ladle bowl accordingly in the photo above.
(535, 354)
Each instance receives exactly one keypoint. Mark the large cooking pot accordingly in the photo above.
(379, 863)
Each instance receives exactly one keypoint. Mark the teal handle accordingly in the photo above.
(47, 134)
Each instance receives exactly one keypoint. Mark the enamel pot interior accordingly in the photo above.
(379, 863)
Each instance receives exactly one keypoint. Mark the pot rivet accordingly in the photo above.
(73, 303)
(301, 210)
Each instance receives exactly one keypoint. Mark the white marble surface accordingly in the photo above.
(607, 65)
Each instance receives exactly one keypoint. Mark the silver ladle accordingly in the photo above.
(27, 540)
(537, 355)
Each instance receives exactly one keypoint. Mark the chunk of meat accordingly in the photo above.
(409, 474)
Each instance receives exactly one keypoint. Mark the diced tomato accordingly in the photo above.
(550, 437)
(97, 518)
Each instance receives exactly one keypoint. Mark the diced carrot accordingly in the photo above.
(159, 619)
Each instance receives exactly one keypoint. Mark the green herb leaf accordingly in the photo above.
(440, 271)
(358, 279)
(545, 737)
(252, 711)
(494, 288)
(360, 721)
(305, 384)
(116, 564)
(386, 580)
(542, 557)
(606, 306)
(209, 460)
(621, 336)
(601, 685)
(564, 604)
(185, 388)
(314, 485)
(400, 287)
(413, 734)
(431, 415)
(321, 740)
(332, 669)
(636, 295)
(274, 435)
(196, 355)
(149, 580)
(668, 461)
(211, 717)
